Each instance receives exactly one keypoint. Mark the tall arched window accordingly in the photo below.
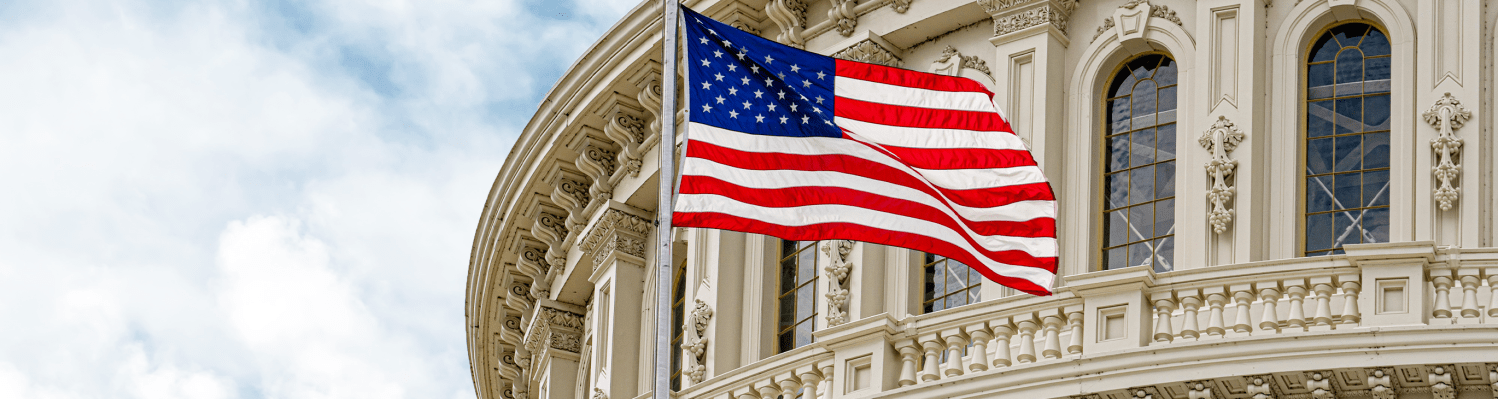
(1139, 179)
(798, 294)
(1347, 139)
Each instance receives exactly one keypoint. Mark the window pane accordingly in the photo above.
(1376, 112)
(1319, 156)
(1141, 223)
(1117, 188)
(1118, 115)
(807, 263)
(1376, 222)
(1116, 258)
(1319, 231)
(1164, 254)
(1167, 74)
(1142, 150)
(1348, 192)
(806, 300)
(1319, 194)
(1139, 254)
(1165, 180)
(1349, 153)
(1165, 217)
(1141, 184)
(1376, 188)
(1321, 81)
(1375, 43)
(1117, 227)
(1166, 136)
(1319, 118)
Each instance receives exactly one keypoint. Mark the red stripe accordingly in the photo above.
(849, 231)
(975, 198)
(908, 78)
(802, 196)
(960, 158)
(899, 115)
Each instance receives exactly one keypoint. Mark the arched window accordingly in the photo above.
(678, 323)
(949, 284)
(798, 294)
(1347, 139)
(1139, 181)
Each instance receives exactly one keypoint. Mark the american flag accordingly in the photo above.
(801, 146)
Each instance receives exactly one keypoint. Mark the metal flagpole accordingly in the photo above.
(665, 178)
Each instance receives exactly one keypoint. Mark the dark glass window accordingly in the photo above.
(798, 294)
(949, 284)
(678, 323)
(1139, 166)
(1347, 139)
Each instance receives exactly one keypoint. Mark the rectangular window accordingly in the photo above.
(797, 294)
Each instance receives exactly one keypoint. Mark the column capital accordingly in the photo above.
(1011, 16)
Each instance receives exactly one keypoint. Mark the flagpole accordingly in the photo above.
(664, 178)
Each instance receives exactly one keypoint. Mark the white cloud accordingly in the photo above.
(226, 199)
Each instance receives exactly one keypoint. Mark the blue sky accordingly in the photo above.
(256, 199)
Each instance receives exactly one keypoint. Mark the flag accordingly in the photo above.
(801, 146)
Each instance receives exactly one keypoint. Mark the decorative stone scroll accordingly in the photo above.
(1447, 115)
(1220, 140)
(837, 290)
(790, 16)
(695, 342)
(870, 52)
(846, 17)
(1011, 16)
(952, 63)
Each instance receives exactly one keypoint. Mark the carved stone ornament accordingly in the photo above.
(842, 12)
(695, 342)
(616, 231)
(1441, 386)
(1011, 16)
(900, 6)
(952, 63)
(790, 16)
(555, 329)
(1220, 140)
(870, 52)
(838, 270)
(1258, 388)
(1320, 386)
(1380, 385)
(599, 394)
(1447, 115)
(1131, 20)
(1199, 390)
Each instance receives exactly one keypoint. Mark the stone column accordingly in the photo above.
(615, 242)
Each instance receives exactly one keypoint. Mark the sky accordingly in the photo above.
(257, 199)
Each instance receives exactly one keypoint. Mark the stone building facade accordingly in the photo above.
(1257, 199)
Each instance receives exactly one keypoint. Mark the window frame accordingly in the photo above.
(1100, 149)
(928, 286)
(780, 265)
(1302, 140)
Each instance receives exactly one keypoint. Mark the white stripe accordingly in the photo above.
(953, 179)
(819, 214)
(920, 137)
(776, 179)
(883, 93)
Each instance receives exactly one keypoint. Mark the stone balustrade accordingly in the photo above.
(1376, 295)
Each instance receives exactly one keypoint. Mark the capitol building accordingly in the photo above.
(1257, 199)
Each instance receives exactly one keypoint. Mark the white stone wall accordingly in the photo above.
(560, 296)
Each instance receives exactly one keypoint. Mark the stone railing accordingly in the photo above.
(1389, 298)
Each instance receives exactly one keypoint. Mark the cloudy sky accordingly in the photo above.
(256, 199)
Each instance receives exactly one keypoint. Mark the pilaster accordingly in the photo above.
(1030, 41)
(1231, 85)
(615, 242)
(1449, 32)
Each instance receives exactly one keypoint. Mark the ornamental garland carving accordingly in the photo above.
(1107, 25)
(1447, 115)
(870, 52)
(838, 270)
(695, 342)
(1033, 17)
(966, 61)
(1220, 140)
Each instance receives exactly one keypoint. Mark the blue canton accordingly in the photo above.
(742, 82)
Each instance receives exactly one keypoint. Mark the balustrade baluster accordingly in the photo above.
(908, 354)
(768, 390)
(933, 358)
(1026, 341)
(1001, 335)
(1469, 297)
(980, 336)
(1163, 307)
(1074, 323)
(1297, 292)
(1443, 301)
(747, 392)
(1350, 313)
(826, 379)
(1492, 295)
(790, 386)
(1270, 294)
(956, 341)
(1216, 325)
(810, 380)
(1323, 319)
(1052, 330)
(1243, 322)
(1190, 303)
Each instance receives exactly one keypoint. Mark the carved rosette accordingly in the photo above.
(616, 233)
(870, 52)
(838, 270)
(1011, 16)
(1220, 140)
(790, 16)
(1447, 115)
(695, 342)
